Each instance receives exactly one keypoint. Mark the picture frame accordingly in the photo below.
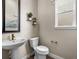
(11, 16)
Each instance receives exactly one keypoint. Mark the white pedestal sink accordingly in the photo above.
(13, 46)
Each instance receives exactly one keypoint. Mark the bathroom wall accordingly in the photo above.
(27, 29)
(67, 41)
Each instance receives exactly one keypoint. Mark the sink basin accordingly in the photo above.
(6, 44)
(13, 46)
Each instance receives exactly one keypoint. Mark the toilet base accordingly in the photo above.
(39, 56)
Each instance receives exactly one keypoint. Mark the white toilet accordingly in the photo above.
(40, 51)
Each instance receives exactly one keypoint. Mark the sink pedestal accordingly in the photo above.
(15, 54)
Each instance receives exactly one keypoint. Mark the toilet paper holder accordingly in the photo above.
(56, 42)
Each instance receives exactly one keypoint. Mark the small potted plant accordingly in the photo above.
(29, 15)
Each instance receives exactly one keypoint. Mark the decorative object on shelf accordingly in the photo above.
(31, 18)
(29, 15)
(34, 22)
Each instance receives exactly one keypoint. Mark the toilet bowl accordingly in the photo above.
(40, 51)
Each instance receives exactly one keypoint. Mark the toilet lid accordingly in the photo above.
(42, 48)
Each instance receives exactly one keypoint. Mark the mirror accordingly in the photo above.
(11, 15)
(65, 14)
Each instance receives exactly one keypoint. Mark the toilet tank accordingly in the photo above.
(34, 42)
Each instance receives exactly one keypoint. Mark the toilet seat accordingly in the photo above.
(42, 50)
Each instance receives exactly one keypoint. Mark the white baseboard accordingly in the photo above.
(55, 56)
(28, 55)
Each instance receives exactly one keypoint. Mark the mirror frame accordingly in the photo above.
(3, 18)
(74, 21)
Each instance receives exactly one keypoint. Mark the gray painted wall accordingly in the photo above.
(67, 39)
